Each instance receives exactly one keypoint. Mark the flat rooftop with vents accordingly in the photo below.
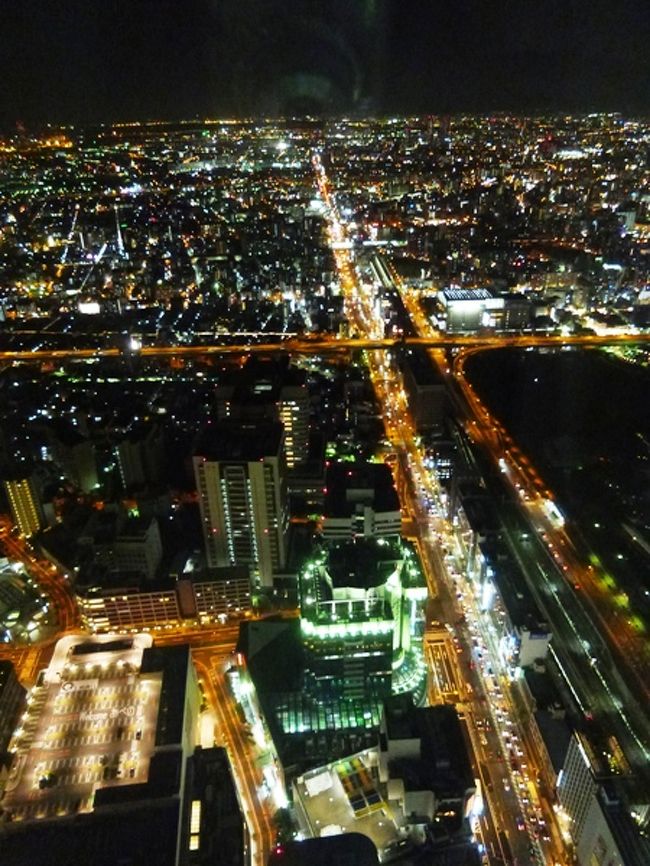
(93, 721)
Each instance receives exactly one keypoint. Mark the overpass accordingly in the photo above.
(320, 345)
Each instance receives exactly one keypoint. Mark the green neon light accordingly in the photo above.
(341, 630)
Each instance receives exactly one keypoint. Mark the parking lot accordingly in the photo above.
(89, 726)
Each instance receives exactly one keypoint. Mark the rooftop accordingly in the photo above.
(344, 849)
(261, 380)
(364, 563)
(349, 485)
(343, 797)
(238, 441)
(93, 722)
(467, 294)
(443, 764)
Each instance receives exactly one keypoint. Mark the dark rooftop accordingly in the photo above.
(362, 563)
(164, 780)
(261, 380)
(351, 484)
(346, 849)
(443, 765)
(522, 609)
(136, 835)
(67, 434)
(273, 652)
(556, 734)
(173, 661)
(118, 645)
(400, 720)
(135, 527)
(239, 441)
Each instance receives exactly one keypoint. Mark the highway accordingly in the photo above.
(605, 659)
(515, 808)
(324, 344)
(576, 599)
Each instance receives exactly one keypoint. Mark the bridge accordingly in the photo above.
(323, 344)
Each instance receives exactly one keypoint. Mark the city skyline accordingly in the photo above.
(346, 423)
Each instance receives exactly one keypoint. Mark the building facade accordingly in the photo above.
(240, 476)
(25, 505)
(589, 794)
(188, 601)
(360, 502)
(12, 699)
(356, 612)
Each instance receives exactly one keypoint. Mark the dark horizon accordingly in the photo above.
(82, 63)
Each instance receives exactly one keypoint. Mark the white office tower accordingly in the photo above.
(239, 470)
(594, 803)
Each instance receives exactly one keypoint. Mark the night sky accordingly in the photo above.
(103, 60)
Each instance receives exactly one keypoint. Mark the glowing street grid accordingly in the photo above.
(89, 723)
(343, 797)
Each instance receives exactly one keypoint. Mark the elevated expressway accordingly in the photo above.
(322, 344)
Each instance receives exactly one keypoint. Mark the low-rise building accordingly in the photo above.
(360, 501)
(546, 723)
(115, 543)
(425, 389)
(106, 767)
(198, 597)
(424, 764)
(467, 310)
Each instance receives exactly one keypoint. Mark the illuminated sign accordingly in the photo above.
(127, 712)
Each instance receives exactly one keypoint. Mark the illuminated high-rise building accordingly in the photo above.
(359, 603)
(293, 410)
(271, 390)
(25, 505)
(240, 472)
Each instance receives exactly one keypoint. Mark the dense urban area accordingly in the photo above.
(325, 458)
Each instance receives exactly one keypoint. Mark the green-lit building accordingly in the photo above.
(359, 607)
(322, 680)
